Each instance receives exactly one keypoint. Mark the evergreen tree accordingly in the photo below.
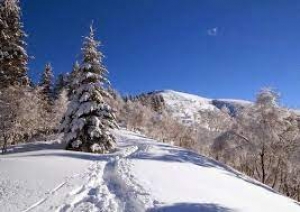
(46, 83)
(72, 81)
(60, 85)
(89, 118)
(13, 56)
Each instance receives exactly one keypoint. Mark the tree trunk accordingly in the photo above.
(262, 161)
(4, 146)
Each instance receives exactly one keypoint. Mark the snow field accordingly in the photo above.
(142, 175)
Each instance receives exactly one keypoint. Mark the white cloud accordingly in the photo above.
(212, 31)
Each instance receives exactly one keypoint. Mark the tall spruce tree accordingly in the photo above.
(60, 85)
(73, 79)
(13, 56)
(46, 83)
(89, 118)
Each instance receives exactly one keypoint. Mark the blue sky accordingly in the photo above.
(213, 48)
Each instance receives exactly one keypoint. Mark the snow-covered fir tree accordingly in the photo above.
(13, 56)
(46, 83)
(89, 118)
(73, 79)
(60, 84)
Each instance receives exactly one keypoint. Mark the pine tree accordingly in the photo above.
(73, 83)
(60, 85)
(89, 118)
(13, 56)
(46, 83)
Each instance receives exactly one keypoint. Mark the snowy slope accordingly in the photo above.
(191, 109)
(142, 175)
(186, 107)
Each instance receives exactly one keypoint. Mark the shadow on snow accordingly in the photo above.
(190, 207)
(180, 155)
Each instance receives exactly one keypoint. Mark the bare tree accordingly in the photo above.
(262, 141)
(20, 115)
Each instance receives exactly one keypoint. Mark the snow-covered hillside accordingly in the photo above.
(191, 109)
(142, 175)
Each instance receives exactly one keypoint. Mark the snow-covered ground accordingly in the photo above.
(191, 109)
(187, 107)
(142, 175)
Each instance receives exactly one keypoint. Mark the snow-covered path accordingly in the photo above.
(45, 179)
(110, 187)
(142, 175)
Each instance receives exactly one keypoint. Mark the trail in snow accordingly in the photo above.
(106, 185)
(93, 196)
(45, 198)
(143, 175)
(110, 188)
(54, 194)
(131, 196)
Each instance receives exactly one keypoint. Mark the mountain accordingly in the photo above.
(191, 109)
(141, 175)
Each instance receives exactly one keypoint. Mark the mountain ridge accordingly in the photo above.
(193, 109)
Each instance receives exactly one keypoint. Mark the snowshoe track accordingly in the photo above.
(131, 196)
(110, 187)
(93, 196)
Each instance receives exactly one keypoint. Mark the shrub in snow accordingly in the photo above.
(88, 120)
